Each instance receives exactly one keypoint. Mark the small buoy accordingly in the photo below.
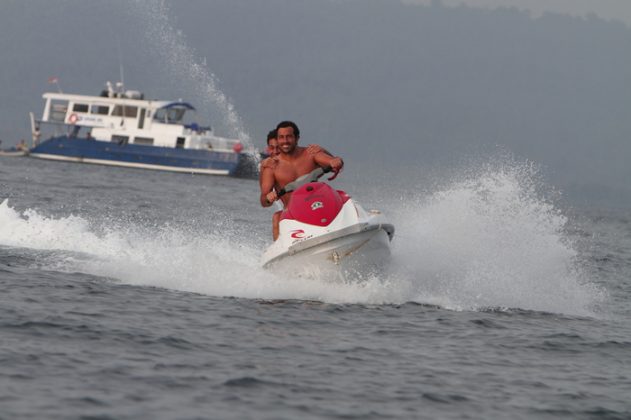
(237, 148)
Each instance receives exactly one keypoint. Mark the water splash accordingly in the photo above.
(170, 45)
(164, 256)
(490, 240)
(486, 240)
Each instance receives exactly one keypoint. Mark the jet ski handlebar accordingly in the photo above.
(305, 179)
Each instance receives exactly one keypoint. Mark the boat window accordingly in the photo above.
(169, 115)
(80, 108)
(120, 139)
(100, 109)
(143, 140)
(141, 120)
(180, 142)
(58, 110)
(125, 111)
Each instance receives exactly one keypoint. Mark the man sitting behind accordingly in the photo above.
(291, 162)
(272, 151)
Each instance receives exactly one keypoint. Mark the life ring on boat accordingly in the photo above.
(73, 118)
(237, 148)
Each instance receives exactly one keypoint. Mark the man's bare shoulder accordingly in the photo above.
(314, 149)
(269, 163)
(306, 154)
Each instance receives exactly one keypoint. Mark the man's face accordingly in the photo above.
(286, 140)
(272, 147)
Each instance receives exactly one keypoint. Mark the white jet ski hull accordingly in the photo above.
(366, 247)
(356, 240)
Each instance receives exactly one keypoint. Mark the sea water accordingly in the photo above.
(135, 294)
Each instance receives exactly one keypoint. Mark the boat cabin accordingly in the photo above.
(125, 117)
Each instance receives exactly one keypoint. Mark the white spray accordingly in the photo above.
(182, 61)
(485, 241)
(489, 240)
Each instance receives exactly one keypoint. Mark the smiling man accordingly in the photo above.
(291, 162)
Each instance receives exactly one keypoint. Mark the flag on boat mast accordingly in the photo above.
(55, 80)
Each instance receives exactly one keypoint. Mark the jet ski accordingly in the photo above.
(325, 228)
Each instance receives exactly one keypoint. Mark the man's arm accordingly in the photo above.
(314, 149)
(265, 163)
(267, 181)
(323, 159)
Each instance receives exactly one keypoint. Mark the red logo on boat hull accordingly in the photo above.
(298, 234)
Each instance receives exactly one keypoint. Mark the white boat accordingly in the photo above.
(323, 228)
(13, 152)
(122, 128)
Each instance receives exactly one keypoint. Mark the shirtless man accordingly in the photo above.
(271, 148)
(292, 162)
(272, 151)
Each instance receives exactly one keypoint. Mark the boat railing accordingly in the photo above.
(220, 143)
(47, 129)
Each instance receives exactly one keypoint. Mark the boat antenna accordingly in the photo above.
(122, 82)
(120, 61)
(122, 76)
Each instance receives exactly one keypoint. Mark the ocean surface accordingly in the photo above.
(131, 294)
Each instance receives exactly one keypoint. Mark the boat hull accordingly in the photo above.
(65, 148)
(14, 153)
(364, 249)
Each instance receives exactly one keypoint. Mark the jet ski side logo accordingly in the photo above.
(298, 234)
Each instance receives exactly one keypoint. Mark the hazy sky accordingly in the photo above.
(456, 83)
(606, 9)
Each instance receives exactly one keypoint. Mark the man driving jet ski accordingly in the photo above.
(292, 162)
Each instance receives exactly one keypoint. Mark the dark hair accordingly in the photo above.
(271, 135)
(285, 124)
